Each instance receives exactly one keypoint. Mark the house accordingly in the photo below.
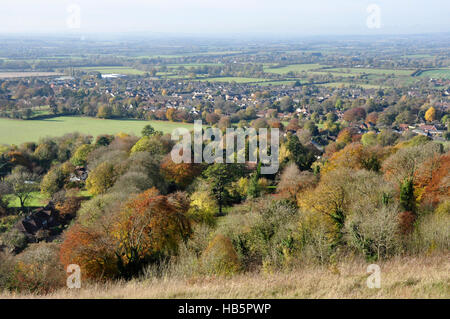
(43, 219)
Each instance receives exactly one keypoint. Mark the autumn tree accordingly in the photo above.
(92, 249)
(292, 181)
(181, 174)
(80, 156)
(430, 115)
(355, 114)
(101, 178)
(148, 228)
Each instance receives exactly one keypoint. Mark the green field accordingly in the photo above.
(114, 70)
(18, 131)
(344, 84)
(436, 74)
(370, 71)
(36, 200)
(292, 68)
(234, 79)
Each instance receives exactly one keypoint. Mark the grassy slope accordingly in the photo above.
(407, 277)
(17, 131)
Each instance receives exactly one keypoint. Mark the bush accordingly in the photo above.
(262, 231)
(37, 270)
(203, 208)
(15, 240)
(375, 232)
(432, 231)
(220, 258)
(316, 236)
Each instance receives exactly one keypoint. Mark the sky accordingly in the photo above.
(209, 17)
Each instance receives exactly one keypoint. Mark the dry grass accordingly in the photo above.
(407, 277)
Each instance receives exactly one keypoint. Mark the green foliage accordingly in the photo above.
(262, 232)
(101, 178)
(299, 154)
(53, 181)
(219, 176)
(79, 158)
(407, 197)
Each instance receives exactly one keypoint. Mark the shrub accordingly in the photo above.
(203, 208)
(432, 232)
(262, 231)
(316, 236)
(15, 240)
(374, 232)
(37, 270)
(220, 258)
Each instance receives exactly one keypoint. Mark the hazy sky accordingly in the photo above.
(290, 17)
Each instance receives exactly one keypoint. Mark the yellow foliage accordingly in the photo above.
(203, 207)
(430, 115)
(220, 258)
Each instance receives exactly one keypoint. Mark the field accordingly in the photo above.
(292, 68)
(114, 70)
(402, 277)
(370, 71)
(18, 131)
(234, 79)
(7, 75)
(437, 74)
(36, 199)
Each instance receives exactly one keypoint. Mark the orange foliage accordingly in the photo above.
(149, 225)
(90, 249)
(357, 156)
(432, 180)
(182, 174)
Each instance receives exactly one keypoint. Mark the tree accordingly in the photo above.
(355, 114)
(104, 112)
(53, 181)
(292, 181)
(92, 249)
(430, 115)
(299, 154)
(148, 130)
(254, 190)
(170, 113)
(203, 207)
(182, 173)
(147, 228)
(101, 178)
(219, 176)
(407, 197)
(23, 184)
(155, 145)
(79, 158)
(212, 118)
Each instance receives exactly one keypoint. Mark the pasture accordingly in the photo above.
(234, 79)
(10, 75)
(436, 74)
(371, 71)
(296, 68)
(19, 131)
(114, 70)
